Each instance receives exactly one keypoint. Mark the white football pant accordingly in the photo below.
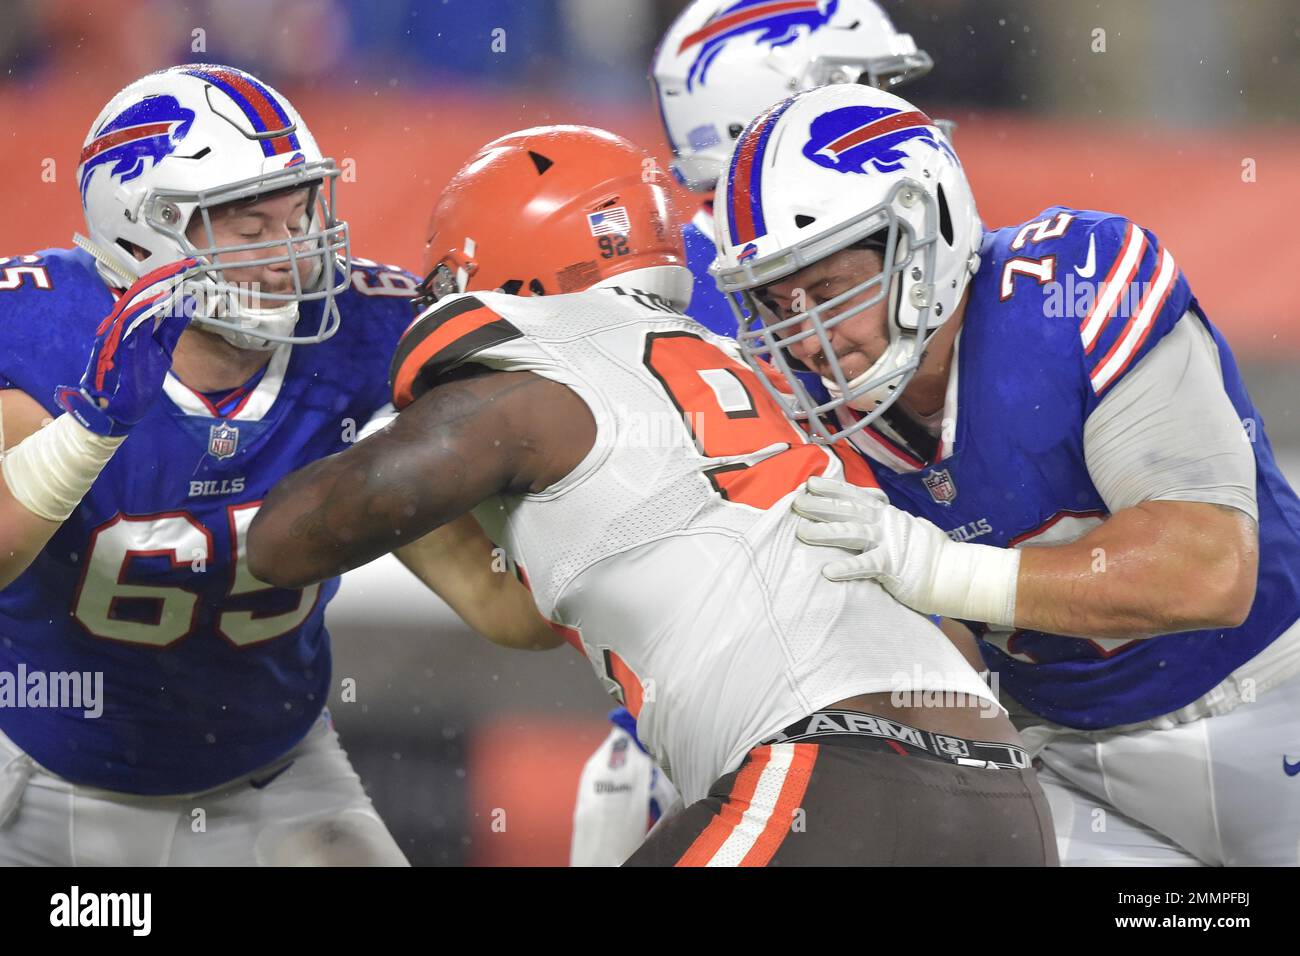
(305, 809)
(1212, 791)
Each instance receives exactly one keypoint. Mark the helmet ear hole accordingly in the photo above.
(133, 250)
(801, 220)
(945, 217)
(735, 129)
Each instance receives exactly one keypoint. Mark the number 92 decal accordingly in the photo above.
(612, 245)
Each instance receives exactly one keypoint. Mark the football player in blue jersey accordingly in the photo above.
(159, 704)
(722, 63)
(717, 67)
(1072, 464)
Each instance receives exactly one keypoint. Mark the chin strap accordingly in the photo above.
(280, 320)
(109, 267)
(249, 339)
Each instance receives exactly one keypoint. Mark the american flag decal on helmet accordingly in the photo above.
(614, 220)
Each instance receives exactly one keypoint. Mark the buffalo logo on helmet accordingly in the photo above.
(777, 23)
(147, 131)
(860, 139)
(748, 252)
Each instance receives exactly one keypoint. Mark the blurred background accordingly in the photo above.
(1188, 122)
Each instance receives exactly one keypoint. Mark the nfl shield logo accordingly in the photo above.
(940, 485)
(618, 753)
(223, 439)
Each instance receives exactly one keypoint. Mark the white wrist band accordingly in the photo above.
(50, 471)
(977, 582)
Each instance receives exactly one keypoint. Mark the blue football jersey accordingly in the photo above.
(709, 307)
(207, 673)
(1042, 342)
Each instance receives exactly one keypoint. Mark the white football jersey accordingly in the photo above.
(669, 555)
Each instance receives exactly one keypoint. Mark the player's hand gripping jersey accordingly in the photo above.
(207, 672)
(1063, 309)
(668, 556)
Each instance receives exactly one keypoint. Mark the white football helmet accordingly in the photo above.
(822, 171)
(184, 140)
(722, 62)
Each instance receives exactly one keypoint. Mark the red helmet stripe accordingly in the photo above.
(261, 104)
(740, 17)
(886, 124)
(119, 136)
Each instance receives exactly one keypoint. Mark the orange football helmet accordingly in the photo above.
(549, 210)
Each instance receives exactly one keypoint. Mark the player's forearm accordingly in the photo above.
(1157, 568)
(458, 563)
(22, 536)
(425, 469)
(42, 480)
(509, 617)
(337, 514)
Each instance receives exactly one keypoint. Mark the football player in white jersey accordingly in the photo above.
(719, 64)
(641, 476)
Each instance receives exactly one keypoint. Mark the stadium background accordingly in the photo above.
(1187, 122)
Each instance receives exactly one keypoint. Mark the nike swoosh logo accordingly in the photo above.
(1090, 264)
(1291, 769)
(266, 781)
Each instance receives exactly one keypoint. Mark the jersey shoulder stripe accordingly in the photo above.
(440, 340)
(1148, 305)
(1114, 281)
(1141, 298)
(1129, 288)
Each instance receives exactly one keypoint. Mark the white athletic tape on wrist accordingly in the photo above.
(977, 582)
(50, 471)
